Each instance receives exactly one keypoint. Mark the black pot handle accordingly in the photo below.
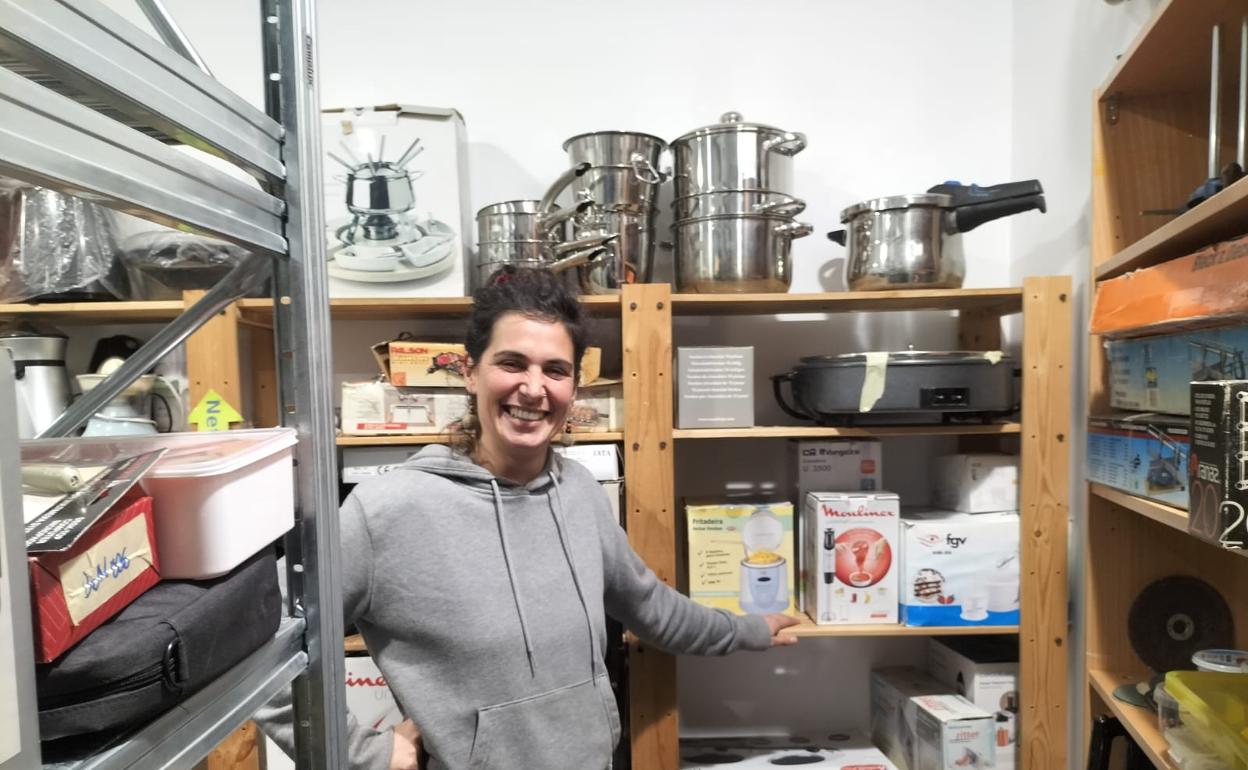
(776, 379)
(967, 218)
(838, 236)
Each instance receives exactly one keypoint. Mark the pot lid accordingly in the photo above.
(24, 327)
(893, 202)
(763, 531)
(912, 357)
(729, 121)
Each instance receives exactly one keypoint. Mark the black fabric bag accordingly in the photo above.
(170, 642)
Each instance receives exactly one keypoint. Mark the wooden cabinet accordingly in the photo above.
(1151, 129)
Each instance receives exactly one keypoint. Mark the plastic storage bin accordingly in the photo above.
(1214, 707)
(218, 498)
(1184, 748)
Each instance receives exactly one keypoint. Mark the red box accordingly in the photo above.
(74, 591)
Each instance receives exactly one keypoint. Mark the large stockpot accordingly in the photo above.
(735, 253)
(628, 259)
(523, 220)
(762, 202)
(623, 168)
(914, 241)
(732, 155)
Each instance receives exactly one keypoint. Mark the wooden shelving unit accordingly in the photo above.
(808, 628)
(261, 310)
(581, 438)
(1150, 146)
(994, 301)
(96, 312)
(878, 431)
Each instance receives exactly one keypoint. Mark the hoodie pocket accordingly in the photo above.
(556, 730)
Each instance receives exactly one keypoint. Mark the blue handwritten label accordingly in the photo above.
(112, 568)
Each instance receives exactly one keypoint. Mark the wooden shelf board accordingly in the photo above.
(816, 431)
(808, 628)
(1171, 52)
(1160, 512)
(1221, 217)
(1140, 722)
(410, 307)
(1003, 301)
(96, 312)
(439, 438)
(354, 643)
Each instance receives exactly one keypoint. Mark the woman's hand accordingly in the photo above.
(776, 621)
(407, 748)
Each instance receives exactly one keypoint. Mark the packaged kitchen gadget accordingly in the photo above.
(741, 556)
(1152, 374)
(959, 569)
(378, 409)
(893, 714)
(975, 483)
(952, 734)
(851, 557)
(1141, 454)
(984, 670)
(1201, 289)
(839, 464)
(217, 498)
(834, 750)
(397, 213)
(408, 362)
(1219, 463)
(369, 698)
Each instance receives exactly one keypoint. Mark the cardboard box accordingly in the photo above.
(715, 387)
(837, 750)
(368, 696)
(837, 465)
(920, 725)
(1152, 374)
(741, 556)
(74, 591)
(1199, 290)
(429, 364)
(602, 460)
(959, 569)
(361, 463)
(984, 670)
(615, 494)
(975, 483)
(439, 203)
(380, 409)
(1219, 463)
(1143, 454)
(598, 408)
(851, 557)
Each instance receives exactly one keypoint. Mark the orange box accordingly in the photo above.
(413, 363)
(1202, 289)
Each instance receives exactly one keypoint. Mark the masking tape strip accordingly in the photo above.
(994, 356)
(873, 381)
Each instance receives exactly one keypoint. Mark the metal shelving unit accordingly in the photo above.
(89, 106)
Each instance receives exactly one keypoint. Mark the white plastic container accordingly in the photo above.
(218, 498)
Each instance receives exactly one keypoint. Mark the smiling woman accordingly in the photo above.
(481, 576)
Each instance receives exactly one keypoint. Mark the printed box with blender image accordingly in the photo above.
(397, 207)
(1141, 454)
(850, 557)
(741, 555)
(1152, 374)
(1219, 463)
(959, 569)
(984, 670)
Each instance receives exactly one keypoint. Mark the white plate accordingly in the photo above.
(440, 261)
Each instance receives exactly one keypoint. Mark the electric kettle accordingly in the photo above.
(43, 385)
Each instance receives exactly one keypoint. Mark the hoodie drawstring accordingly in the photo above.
(511, 575)
(556, 510)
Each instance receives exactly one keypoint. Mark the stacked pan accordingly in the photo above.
(621, 187)
(734, 217)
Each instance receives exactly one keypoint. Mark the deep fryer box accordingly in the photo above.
(1219, 463)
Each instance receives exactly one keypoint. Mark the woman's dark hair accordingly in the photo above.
(534, 293)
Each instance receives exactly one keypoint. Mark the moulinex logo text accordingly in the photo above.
(861, 510)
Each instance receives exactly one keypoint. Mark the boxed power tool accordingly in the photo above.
(1141, 454)
(1152, 373)
(1219, 463)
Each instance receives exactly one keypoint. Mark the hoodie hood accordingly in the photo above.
(444, 461)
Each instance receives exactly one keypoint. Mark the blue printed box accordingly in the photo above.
(1152, 374)
(1141, 454)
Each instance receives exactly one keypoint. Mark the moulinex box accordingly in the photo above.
(397, 212)
(851, 557)
(959, 569)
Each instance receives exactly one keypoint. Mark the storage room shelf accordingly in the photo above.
(354, 643)
(808, 628)
(816, 431)
(410, 307)
(1160, 512)
(438, 438)
(1221, 217)
(96, 312)
(182, 736)
(997, 301)
(1171, 54)
(1140, 722)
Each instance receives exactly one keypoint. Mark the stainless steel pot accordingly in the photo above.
(763, 202)
(732, 155)
(482, 271)
(43, 385)
(523, 220)
(914, 241)
(624, 169)
(629, 258)
(735, 254)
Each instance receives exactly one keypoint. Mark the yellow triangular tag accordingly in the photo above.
(213, 413)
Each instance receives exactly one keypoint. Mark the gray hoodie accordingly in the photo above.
(483, 603)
